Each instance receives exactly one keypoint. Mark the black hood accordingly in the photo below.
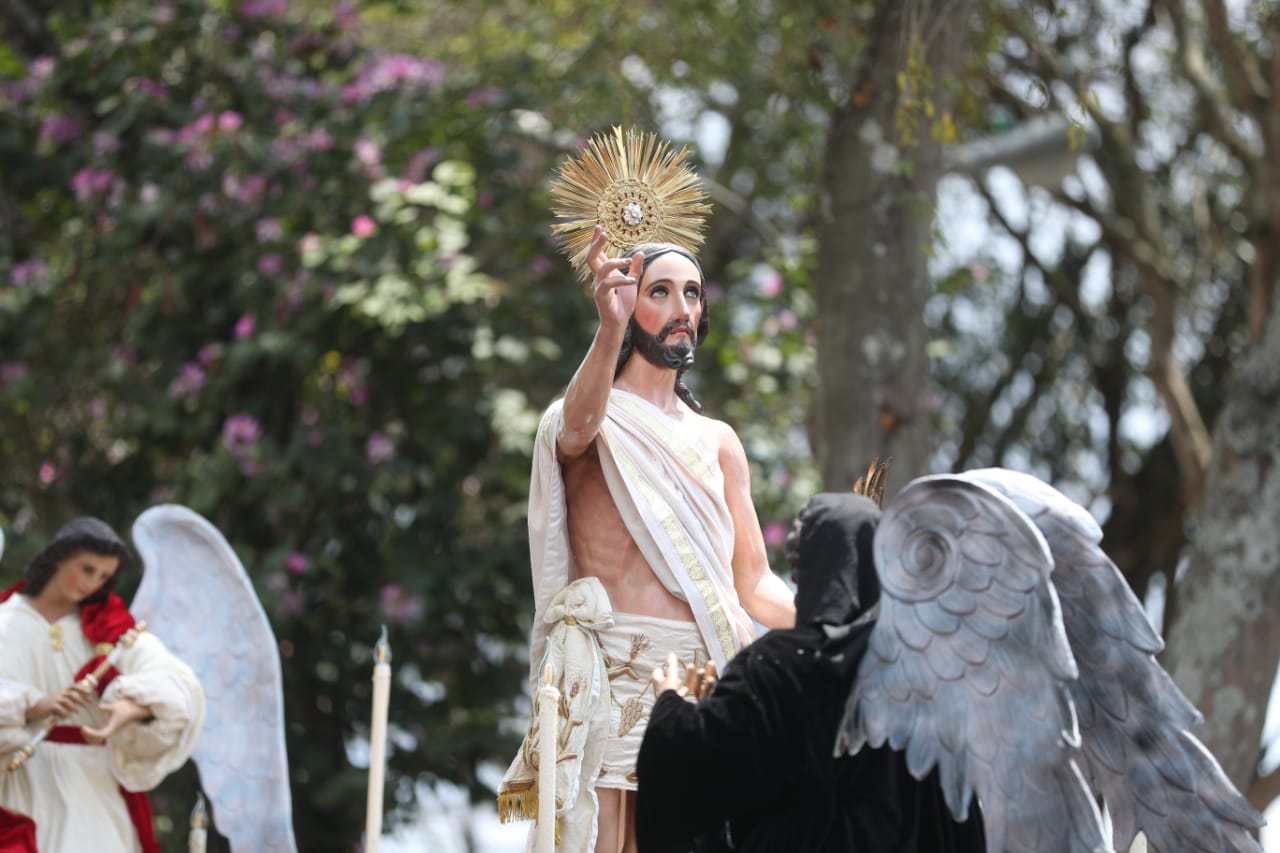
(836, 577)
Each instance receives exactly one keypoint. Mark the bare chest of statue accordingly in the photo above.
(604, 549)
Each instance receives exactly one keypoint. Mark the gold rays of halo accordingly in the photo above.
(634, 185)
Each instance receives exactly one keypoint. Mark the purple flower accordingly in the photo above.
(319, 140)
(379, 448)
(244, 327)
(264, 8)
(389, 72)
(269, 265)
(247, 191)
(41, 68)
(420, 163)
(540, 265)
(48, 473)
(198, 161)
(25, 272)
(60, 129)
(151, 88)
(105, 142)
(485, 96)
(775, 534)
(208, 354)
(268, 230)
(230, 122)
(297, 563)
(89, 182)
(240, 432)
(291, 604)
(189, 381)
(771, 285)
(363, 227)
(345, 16)
(11, 372)
(310, 244)
(368, 152)
(398, 604)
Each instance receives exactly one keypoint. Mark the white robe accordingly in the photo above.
(669, 489)
(71, 790)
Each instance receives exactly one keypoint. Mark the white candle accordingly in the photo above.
(548, 748)
(378, 742)
(198, 836)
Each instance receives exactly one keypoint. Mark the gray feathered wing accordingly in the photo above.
(968, 666)
(1010, 654)
(1154, 776)
(196, 597)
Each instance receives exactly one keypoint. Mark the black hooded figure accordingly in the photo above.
(751, 767)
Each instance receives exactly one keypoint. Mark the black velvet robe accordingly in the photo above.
(751, 767)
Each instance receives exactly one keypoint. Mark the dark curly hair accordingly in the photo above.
(653, 251)
(79, 534)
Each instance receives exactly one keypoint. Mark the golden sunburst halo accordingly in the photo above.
(634, 185)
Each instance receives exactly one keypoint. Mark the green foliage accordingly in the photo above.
(304, 285)
(240, 277)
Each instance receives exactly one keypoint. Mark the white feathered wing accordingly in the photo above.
(196, 597)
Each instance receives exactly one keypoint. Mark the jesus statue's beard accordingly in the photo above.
(677, 356)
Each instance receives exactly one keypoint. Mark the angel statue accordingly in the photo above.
(968, 671)
(195, 674)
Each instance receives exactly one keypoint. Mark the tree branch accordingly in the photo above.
(1210, 96)
(1264, 790)
(1246, 83)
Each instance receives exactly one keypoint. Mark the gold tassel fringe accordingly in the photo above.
(519, 801)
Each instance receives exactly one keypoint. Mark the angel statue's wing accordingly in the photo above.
(968, 665)
(1154, 776)
(196, 597)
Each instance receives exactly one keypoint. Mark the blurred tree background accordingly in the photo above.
(291, 265)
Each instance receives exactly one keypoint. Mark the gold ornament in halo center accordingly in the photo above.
(634, 185)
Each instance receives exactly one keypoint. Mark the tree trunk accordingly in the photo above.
(871, 281)
(1224, 640)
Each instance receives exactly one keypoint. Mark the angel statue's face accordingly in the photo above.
(81, 575)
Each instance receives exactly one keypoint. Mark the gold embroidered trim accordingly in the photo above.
(682, 447)
(635, 709)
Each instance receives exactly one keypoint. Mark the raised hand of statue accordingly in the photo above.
(58, 704)
(686, 681)
(119, 714)
(611, 286)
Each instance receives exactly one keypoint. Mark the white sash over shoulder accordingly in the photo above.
(669, 489)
